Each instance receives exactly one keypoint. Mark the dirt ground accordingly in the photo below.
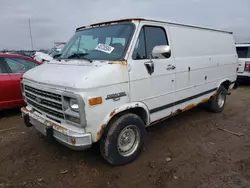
(188, 150)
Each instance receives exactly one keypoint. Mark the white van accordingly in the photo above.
(113, 79)
(243, 51)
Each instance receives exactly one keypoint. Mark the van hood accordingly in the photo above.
(78, 74)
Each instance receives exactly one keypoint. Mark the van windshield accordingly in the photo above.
(243, 52)
(100, 43)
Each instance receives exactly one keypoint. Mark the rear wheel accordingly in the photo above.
(123, 140)
(217, 103)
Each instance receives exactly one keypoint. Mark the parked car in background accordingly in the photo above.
(56, 50)
(42, 57)
(243, 51)
(48, 56)
(12, 67)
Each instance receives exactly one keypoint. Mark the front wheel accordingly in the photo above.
(217, 103)
(123, 140)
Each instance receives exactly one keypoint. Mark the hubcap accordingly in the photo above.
(221, 100)
(128, 140)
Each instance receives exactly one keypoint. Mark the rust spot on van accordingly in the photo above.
(56, 126)
(115, 22)
(112, 113)
(214, 95)
(73, 141)
(123, 63)
(100, 132)
(188, 107)
(59, 128)
(204, 100)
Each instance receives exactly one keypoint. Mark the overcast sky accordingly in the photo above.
(56, 20)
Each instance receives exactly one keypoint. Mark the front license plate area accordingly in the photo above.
(39, 126)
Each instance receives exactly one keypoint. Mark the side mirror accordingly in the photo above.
(162, 51)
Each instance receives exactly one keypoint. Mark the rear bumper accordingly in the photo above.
(67, 137)
(243, 78)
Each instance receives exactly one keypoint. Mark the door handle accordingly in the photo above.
(171, 67)
(149, 66)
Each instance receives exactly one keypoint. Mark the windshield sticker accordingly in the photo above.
(104, 48)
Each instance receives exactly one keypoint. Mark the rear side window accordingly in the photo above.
(150, 36)
(243, 52)
(19, 66)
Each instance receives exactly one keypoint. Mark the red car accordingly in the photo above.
(12, 68)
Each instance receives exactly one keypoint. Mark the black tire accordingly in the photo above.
(109, 142)
(214, 104)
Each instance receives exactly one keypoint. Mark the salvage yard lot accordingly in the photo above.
(188, 150)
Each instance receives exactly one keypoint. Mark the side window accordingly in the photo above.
(19, 66)
(149, 37)
(2, 67)
(155, 36)
(243, 52)
(28, 64)
(140, 49)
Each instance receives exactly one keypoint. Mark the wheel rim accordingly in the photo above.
(221, 100)
(128, 140)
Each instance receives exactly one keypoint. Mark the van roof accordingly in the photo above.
(142, 19)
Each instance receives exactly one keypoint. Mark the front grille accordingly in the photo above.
(47, 110)
(44, 93)
(45, 102)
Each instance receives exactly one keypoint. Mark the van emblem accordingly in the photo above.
(38, 100)
(116, 96)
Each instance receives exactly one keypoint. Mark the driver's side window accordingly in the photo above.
(150, 36)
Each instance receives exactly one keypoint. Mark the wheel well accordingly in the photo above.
(141, 112)
(226, 84)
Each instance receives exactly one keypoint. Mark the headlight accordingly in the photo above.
(74, 105)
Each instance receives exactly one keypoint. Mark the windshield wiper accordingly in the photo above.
(80, 56)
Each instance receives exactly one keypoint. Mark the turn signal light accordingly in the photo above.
(95, 101)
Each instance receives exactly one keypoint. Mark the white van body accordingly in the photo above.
(200, 61)
(243, 51)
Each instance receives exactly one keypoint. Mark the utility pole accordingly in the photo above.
(31, 40)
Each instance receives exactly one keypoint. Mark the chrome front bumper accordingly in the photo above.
(67, 137)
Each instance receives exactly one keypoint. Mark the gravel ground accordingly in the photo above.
(188, 150)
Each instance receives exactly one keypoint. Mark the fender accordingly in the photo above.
(118, 110)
